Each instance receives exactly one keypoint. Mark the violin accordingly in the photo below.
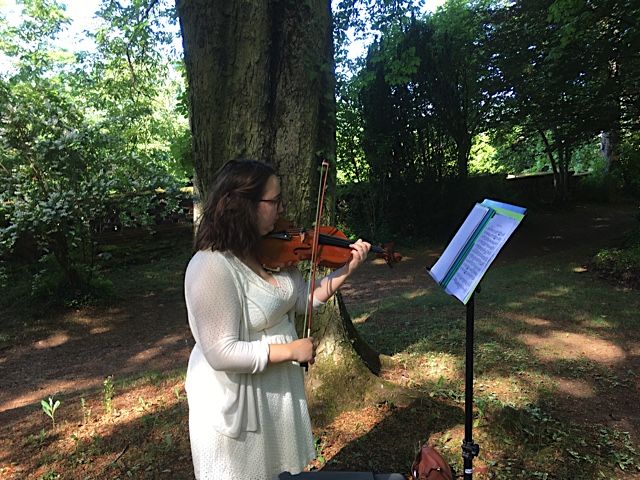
(287, 245)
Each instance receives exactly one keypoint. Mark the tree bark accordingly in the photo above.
(463, 143)
(261, 85)
(560, 168)
(609, 144)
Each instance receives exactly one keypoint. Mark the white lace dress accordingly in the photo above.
(247, 419)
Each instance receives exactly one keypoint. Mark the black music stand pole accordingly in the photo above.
(469, 449)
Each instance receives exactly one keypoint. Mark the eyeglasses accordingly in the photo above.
(274, 201)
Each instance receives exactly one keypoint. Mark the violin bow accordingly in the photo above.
(308, 316)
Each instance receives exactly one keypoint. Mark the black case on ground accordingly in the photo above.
(340, 476)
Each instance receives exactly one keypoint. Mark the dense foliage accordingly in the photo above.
(435, 114)
(481, 87)
(87, 140)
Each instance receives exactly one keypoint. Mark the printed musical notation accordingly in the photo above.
(474, 247)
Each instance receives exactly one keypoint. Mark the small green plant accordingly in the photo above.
(319, 446)
(38, 439)
(167, 441)
(86, 411)
(177, 391)
(50, 475)
(619, 264)
(144, 405)
(49, 407)
(108, 392)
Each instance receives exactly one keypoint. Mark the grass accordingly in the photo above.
(555, 384)
(539, 325)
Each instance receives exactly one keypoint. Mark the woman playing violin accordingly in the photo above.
(248, 413)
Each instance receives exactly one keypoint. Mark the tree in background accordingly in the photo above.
(80, 145)
(457, 83)
(562, 82)
(609, 33)
(423, 95)
(364, 156)
(540, 78)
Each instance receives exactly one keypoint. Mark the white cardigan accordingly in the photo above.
(221, 351)
(223, 360)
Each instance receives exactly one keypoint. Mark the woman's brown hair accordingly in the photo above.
(229, 220)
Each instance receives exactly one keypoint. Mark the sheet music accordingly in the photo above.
(484, 251)
(460, 239)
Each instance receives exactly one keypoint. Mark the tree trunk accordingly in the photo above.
(261, 85)
(561, 181)
(464, 148)
(609, 143)
(560, 168)
(60, 248)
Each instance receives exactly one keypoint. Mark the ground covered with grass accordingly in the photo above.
(556, 366)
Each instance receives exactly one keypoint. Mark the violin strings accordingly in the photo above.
(331, 240)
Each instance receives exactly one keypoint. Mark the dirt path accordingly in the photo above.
(147, 334)
(150, 333)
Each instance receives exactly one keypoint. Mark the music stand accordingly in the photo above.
(459, 271)
(469, 449)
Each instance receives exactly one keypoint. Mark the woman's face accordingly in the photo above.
(270, 205)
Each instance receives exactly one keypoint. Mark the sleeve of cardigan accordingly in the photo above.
(215, 315)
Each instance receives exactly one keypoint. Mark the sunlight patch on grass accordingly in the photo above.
(153, 377)
(435, 366)
(170, 339)
(558, 291)
(87, 317)
(575, 387)
(415, 294)
(100, 330)
(143, 357)
(360, 319)
(558, 344)
(434, 374)
(516, 391)
(596, 321)
(528, 319)
(514, 305)
(50, 387)
(55, 340)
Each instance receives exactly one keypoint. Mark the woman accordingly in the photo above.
(248, 415)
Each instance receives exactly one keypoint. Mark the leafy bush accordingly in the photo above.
(621, 265)
(65, 175)
(630, 164)
(81, 151)
(596, 187)
(624, 177)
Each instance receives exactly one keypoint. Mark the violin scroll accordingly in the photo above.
(388, 253)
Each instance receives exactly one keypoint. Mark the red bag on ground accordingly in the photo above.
(429, 465)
